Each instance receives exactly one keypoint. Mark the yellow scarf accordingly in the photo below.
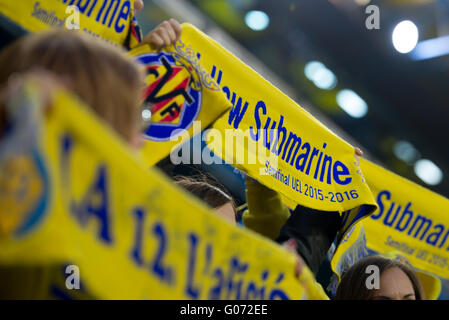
(106, 20)
(77, 196)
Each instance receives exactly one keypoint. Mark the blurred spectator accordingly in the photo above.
(211, 194)
(101, 75)
(397, 281)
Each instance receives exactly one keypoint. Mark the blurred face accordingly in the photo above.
(395, 285)
(226, 211)
(138, 6)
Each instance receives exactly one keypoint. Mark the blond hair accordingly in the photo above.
(100, 74)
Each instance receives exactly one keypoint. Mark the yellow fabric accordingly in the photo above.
(351, 249)
(83, 199)
(411, 220)
(431, 284)
(208, 102)
(314, 290)
(266, 213)
(106, 20)
(255, 102)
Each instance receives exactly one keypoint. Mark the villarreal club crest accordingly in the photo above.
(172, 96)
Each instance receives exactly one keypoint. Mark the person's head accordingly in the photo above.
(212, 194)
(138, 6)
(397, 281)
(100, 74)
